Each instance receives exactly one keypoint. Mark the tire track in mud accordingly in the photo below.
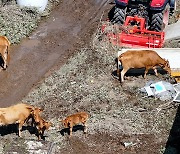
(68, 28)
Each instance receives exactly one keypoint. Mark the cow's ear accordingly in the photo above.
(41, 109)
(167, 62)
(161, 65)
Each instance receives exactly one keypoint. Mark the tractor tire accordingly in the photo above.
(159, 20)
(119, 15)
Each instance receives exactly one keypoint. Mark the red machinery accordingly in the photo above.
(143, 20)
(136, 35)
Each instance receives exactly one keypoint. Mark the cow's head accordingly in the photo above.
(36, 114)
(166, 66)
(65, 123)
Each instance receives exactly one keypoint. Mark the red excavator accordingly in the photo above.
(145, 21)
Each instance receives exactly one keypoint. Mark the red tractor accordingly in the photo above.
(155, 12)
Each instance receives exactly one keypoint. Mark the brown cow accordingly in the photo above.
(147, 59)
(40, 123)
(72, 120)
(4, 50)
(18, 113)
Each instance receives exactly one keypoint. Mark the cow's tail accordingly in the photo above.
(119, 66)
(8, 55)
(120, 60)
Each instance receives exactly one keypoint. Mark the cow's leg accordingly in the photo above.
(123, 73)
(85, 127)
(70, 125)
(155, 70)
(39, 137)
(118, 69)
(5, 64)
(4, 57)
(20, 127)
(118, 72)
(146, 71)
(84, 124)
(117, 64)
(40, 134)
(37, 131)
(70, 129)
(8, 59)
(33, 122)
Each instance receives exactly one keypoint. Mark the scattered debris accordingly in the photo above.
(163, 90)
(177, 97)
(127, 144)
(37, 147)
(164, 106)
(142, 110)
(177, 87)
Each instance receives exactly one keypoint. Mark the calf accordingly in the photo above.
(18, 113)
(4, 50)
(41, 127)
(147, 59)
(72, 120)
(40, 123)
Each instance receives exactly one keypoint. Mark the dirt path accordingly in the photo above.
(69, 27)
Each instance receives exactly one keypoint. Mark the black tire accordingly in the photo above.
(119, 15)
(157, 21)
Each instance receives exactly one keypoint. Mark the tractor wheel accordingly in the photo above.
(119, 15)
(159, 20)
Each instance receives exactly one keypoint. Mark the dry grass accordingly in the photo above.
(17, 23)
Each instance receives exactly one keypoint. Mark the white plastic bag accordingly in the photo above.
(39, 4)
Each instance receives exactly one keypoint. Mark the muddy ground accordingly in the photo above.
(59, 69)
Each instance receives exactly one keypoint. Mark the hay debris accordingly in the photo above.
(17, 23)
